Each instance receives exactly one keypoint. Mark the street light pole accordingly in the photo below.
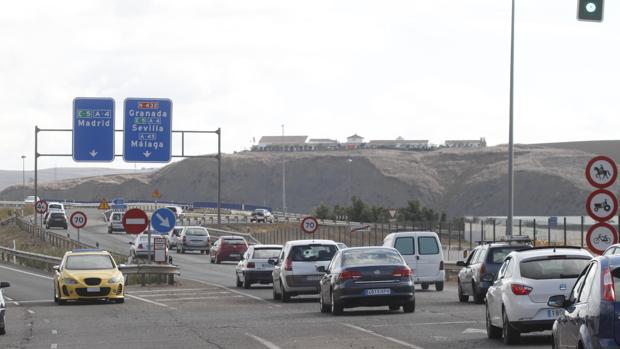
(24, 177)
(283, 175)
(349, 161)
(510, 128)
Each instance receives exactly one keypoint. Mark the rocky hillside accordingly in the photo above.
(548, 181)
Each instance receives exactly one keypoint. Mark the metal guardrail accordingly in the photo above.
(167, 270)
(12, 256)
(220, 232)
(54, 239)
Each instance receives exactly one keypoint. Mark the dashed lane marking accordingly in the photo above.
(431, 323)
(54, 331)
(146, 300)
(181, 295)
(474, 330)
(140, 292)
(373, 333)
(263, 341)
(27, 273)
(235, 291)
(194, 298)
(30, 311)
(54, 346)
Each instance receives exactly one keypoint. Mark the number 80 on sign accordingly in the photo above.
(78, 219)
(309, 225)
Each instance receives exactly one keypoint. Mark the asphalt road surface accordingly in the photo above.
(206, 311)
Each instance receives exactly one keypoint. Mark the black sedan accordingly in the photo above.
(366, 277)
(57, 219)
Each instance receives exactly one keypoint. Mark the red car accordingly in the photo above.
(228, 248)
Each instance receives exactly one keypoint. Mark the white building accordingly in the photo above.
(282, 143)
(466, 143)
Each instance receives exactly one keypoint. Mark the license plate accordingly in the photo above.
(93, 289)
(266, 266)
(378, 292)
(313, 278)
(554, 313)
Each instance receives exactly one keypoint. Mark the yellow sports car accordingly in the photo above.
(88, 274)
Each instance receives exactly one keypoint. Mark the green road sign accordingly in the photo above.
(84, 113)
(590, 10)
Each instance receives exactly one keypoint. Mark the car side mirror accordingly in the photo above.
(321, 269)
(460, 264)
(56, 267)
(558, 301)
(4, 284)
(121, 266)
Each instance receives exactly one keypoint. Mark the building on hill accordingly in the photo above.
(399, 143)
(354, 142)
(323, 144)
(466, 143)
(282, 143)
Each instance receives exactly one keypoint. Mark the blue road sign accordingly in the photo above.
(148, 130)
(118, 201)
(163, 220)
(552, 221)
(93, 129)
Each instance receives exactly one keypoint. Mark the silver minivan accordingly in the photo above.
(194, 239)
(424, 255)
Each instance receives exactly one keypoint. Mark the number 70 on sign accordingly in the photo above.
(309, 225)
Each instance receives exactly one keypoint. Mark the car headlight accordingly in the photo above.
(69, 281)
(115, 279)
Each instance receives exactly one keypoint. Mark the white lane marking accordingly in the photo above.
(54, 331)
(140, 292)
(193, 298)
(34, 301)
(431, 323)
(182, 294)
(54, 346)
(474, 330)
(30, 311)
(146, 300)
(46, 321)
(27, 273)
(9, 298)
(373, 333)
(16, 303)
(262, 341)
(234, 291)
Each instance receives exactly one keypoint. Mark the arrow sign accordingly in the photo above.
(93, 153)
(163, 220)
(147, 154)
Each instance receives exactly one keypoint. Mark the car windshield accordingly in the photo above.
(266, 253)
(309, 253)
(197, 232)
(379, 256)
(89, 262)
(234, 242)
(497, 255)
(555, 267)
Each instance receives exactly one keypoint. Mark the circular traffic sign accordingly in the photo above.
(41, 206)
(601, 205)
(309, 225)
(600, 236)
(135, 221)
(601, 171)
(163, 220)
(78, 219)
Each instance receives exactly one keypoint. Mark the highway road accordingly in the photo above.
(206, 311)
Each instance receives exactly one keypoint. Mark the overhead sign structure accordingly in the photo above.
(135, 221)
(93, 129)
(41, 206)
(601, 205)
(600, 236)
(309, 225)
(78, 219)
(148, 130)
(163, 220)
(601, 172)
(103, 205)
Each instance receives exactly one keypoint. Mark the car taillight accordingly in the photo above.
(402, 272)
(350, 274)
(288, 264)
(251, 265)
(609, 292)
(520, 290)
(441, 265)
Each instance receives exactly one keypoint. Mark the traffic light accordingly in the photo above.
(590, 10)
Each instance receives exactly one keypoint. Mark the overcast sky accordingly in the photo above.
(426, 69)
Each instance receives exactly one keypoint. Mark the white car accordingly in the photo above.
(54, 207)
(173, 236)
(115, 223)
(295, 271)
(517, 300)
(254, 267)
(177, 210)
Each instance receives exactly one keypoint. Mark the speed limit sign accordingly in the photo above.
(78, 219)
(309, 225)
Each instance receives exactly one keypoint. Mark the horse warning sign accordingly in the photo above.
(601, 172)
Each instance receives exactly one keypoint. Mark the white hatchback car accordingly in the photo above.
(254, 267)
(517, 300)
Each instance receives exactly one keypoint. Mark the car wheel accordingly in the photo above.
(337, 307)
(478, 298)
(238, 283)
(409, 307)
(119, 300)
(276, 295)
(246, 282)
(492, 331)
(394, 307)
(284, 295)
(424, 286)
(324, 307)
(463, 298)
(439, 286)
(510, 334)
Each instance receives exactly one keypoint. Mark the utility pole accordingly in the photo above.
(510, 128)
(283, 175)
(24, 177)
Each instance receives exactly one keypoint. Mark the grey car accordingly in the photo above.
(2, 307)
(194, 239)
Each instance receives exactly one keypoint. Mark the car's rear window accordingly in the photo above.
(197, 232)
(371, 257)
(266, 253)
(405, 245)
(498, 254)
(428, 245)
(58, 215)
(89, 262)
(556, 267)
(311, 253)
(55, 206)
(234, 242)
